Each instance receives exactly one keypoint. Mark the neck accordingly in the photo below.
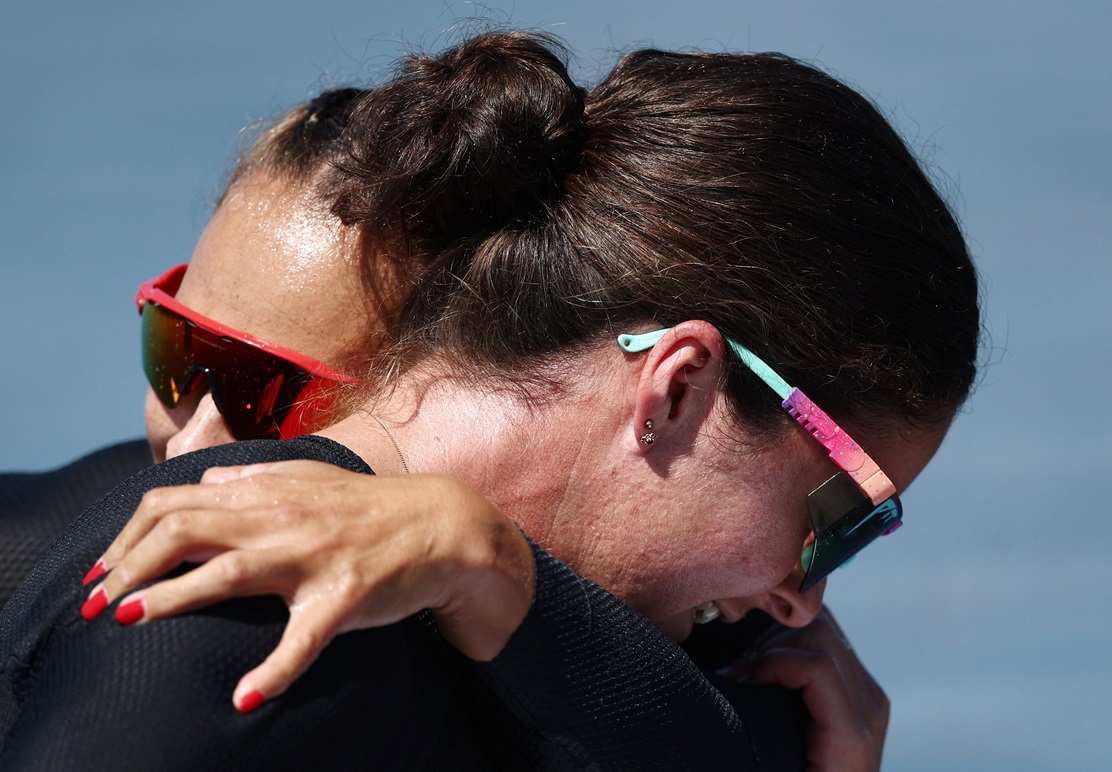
(536, 463)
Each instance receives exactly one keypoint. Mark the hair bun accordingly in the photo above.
(472, 139)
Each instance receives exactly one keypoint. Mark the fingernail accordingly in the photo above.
(96, 572)
(95, 604)
(250, 701)
(130, 612)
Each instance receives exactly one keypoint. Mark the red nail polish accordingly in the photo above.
(96, 572)
(95, 604)
(250, 701)
(130, 612)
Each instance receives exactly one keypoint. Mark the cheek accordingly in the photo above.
(163, 424)
(765, 558)
(759, 545)
(160, 427)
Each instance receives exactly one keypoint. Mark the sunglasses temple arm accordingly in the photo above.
(847, 454)
(646, 340)
(843, 451)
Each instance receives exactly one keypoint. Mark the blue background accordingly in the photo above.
(987, 619)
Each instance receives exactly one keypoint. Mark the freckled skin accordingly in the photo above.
(781, 479)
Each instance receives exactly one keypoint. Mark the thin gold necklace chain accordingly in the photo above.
(397, 447)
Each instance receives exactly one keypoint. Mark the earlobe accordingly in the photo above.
(677, 386)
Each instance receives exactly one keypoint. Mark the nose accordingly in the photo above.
(205, 428)
(788, 606)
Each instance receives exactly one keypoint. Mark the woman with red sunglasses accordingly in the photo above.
(275, 314)
(274, 291)
(657, 468)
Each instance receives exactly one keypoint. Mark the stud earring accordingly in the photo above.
(649, 437)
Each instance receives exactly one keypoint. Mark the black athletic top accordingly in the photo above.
(36, 506)
(584, 683)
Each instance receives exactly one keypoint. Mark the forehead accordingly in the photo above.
(275, 263)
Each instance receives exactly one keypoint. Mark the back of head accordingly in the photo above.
(754, 192)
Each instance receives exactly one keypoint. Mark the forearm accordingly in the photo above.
(600, 680)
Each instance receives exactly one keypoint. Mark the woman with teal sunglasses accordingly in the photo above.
(732, 203)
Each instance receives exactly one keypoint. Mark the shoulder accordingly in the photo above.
(160, 694)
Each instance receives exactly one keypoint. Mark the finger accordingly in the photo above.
(156, 505)
(823, 635)
(847, 725)
(217, 487)
(309, 630)
(153, 505)
(823, 638)
(814, 674)
(817, 635)
(218, 475)
(229, 575)
(192, 536)
(288, 469)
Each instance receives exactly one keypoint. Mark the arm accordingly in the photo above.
(587, 680)
(344, 551)
(75, 693)
(575, 638)
(611, 689)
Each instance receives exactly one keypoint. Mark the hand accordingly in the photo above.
(849, 710)
(344, 550)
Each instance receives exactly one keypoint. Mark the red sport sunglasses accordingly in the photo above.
(261, 389)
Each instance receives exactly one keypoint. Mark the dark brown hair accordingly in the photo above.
(751, 191)
(302, 143)
(300, 149)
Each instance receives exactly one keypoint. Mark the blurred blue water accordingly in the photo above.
(986, 618)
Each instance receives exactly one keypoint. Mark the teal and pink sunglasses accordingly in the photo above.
(848, 511)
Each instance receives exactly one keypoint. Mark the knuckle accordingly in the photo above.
(120, 580)
(235, 573)
(177, 527)
(286, 513)
(305, 643)
(153, 501)
(348, 586)
(825, 665)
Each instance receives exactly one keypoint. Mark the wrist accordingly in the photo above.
(489, 579)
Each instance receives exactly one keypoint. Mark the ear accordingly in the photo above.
(678, 385)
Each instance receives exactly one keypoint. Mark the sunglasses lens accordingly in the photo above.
(166, 356)
(845, 521)
(256, 397)
(260, 395)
